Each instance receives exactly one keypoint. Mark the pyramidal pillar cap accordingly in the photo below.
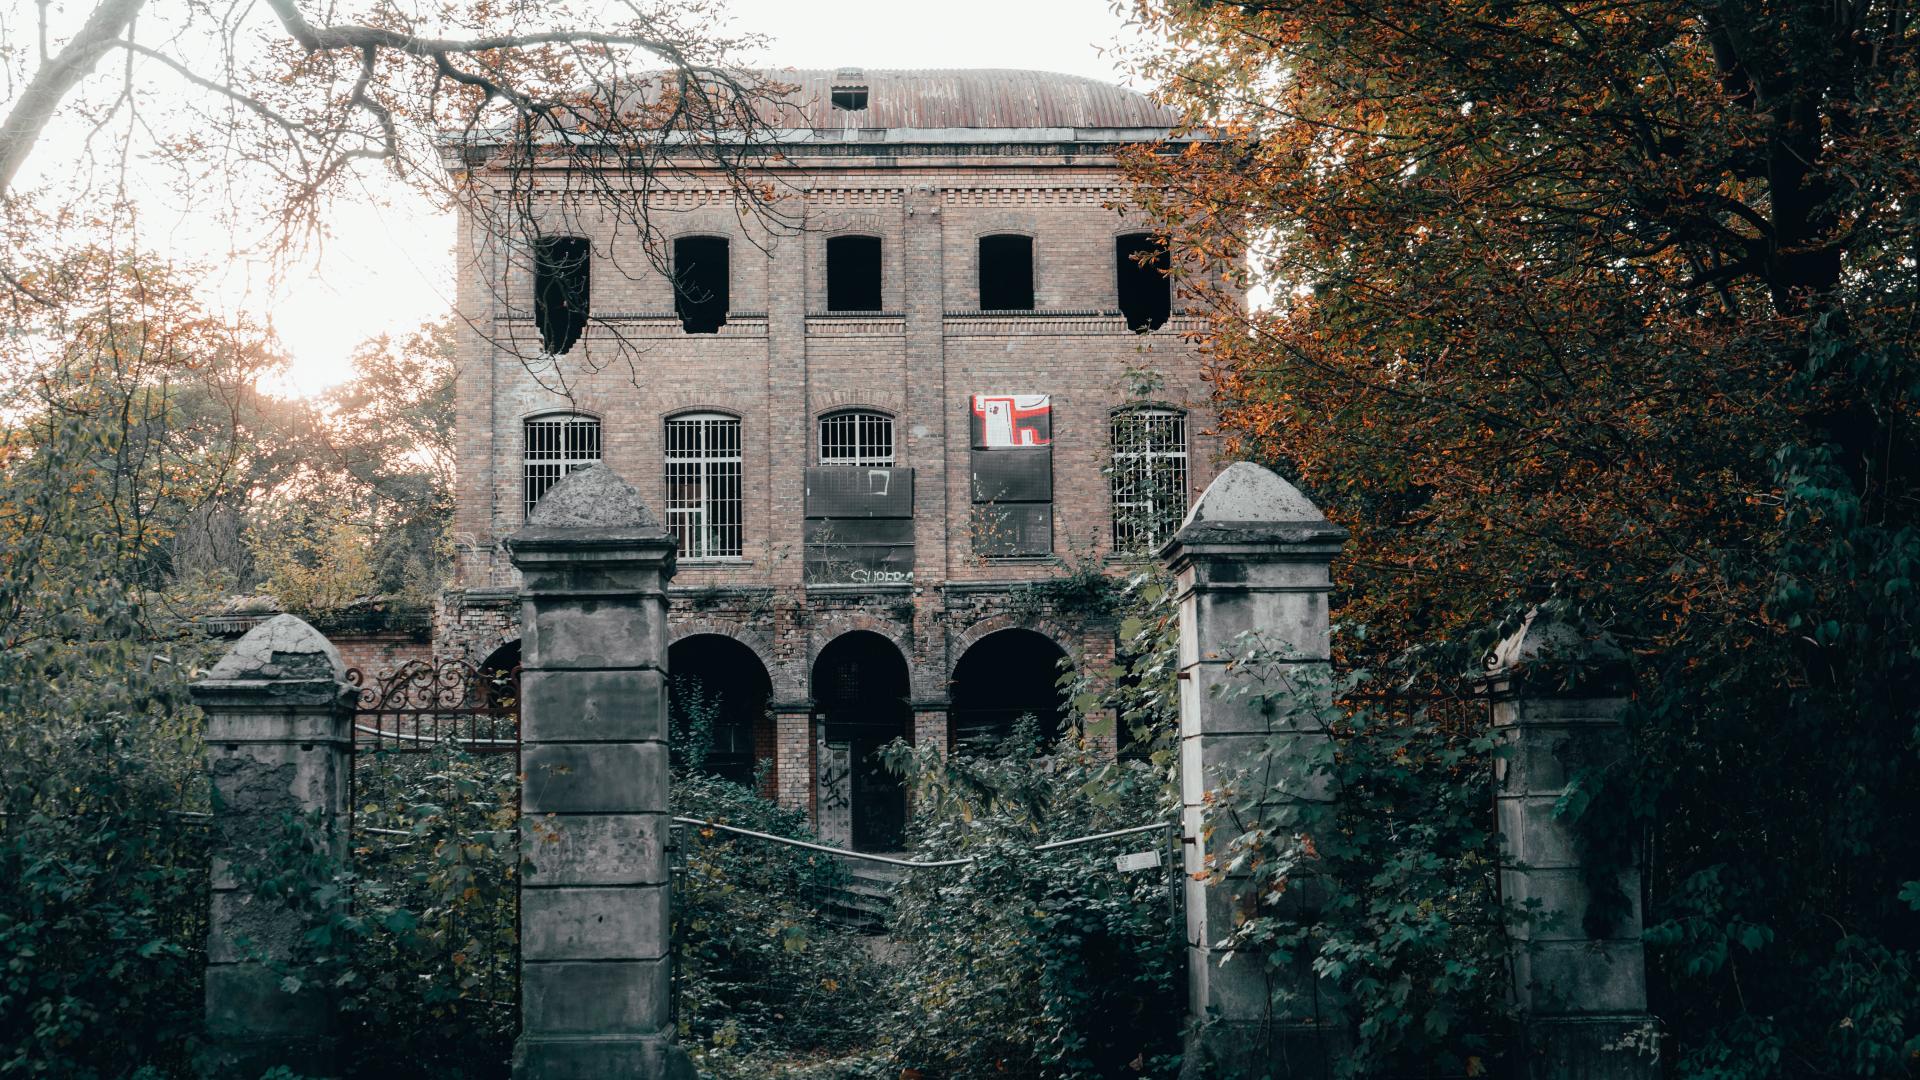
(1250, 504)
(591, 508)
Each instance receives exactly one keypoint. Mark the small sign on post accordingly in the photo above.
(1139, 860)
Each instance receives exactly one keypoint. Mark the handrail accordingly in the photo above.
(400, 735)
(914, 864)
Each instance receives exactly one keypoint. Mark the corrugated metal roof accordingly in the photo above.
(968, 98)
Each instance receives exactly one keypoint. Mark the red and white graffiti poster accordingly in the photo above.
(1009, 421)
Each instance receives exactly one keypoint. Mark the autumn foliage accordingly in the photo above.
(1611, 306)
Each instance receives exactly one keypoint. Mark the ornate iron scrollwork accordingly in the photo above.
(424, 703)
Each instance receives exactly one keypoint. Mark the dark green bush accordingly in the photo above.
(761, 975)
(103, 895)
(1035, 964)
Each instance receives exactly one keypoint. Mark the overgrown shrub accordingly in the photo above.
(761, 974)
(1387, 822)
(1025, 963)
(103, 893)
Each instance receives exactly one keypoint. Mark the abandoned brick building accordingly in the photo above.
(955, 369)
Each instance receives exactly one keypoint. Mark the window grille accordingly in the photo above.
(556, 446)
(703, 485)
(1148, 477)
(857, 437)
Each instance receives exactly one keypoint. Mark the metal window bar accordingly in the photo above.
(557, 446)
(704, 511)
(1148, 477)
(856, 438)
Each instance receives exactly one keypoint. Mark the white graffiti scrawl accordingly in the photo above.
(1004, 421)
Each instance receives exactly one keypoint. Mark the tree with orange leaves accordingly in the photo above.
(1611, 307)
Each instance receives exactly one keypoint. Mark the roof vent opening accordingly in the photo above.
(850, 90)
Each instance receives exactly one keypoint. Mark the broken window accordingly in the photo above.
(700, 276)
(556, 446)
(1006, 273)
(853, 273)
(561, 276)
(856, 437)
(850, 98)
(1140, 271)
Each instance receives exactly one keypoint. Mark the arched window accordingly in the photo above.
(856, 437)
(703, 485)
(558, 445)
(1148, 477)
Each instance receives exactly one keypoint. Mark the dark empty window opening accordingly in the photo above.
(1006, 273)
(700, 283)
(850, 98)
(562, 274)
(1140, 270)
(853, 273)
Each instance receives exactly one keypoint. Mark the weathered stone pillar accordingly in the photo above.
(1252, 555)
(1558, 696)
(279, 736)
(594, 934)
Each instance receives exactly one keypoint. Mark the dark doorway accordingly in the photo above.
(1004, 676)
(1006, 273)
(853, 273)
(562, 282)
(700, 278)
(717, 695)
(860, 688)
(1140, 265)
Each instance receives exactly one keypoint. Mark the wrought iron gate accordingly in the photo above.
(434, 798)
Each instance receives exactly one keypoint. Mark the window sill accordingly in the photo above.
(721, 562)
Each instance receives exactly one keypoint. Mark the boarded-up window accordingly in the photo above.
(1006, 273)
(562, 280)
(556, 446)
(856, 437)
(703, 485)
(1012, 466)
(1140, 266)
(1148, 478)
(853, 273)
(700, 283)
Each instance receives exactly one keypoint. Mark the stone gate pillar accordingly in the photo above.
(1252, 555)
(594, 934)
(1558, 697)
(279, 736)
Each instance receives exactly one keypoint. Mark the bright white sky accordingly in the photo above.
(387, 265)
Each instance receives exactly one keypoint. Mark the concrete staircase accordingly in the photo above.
(864, 901)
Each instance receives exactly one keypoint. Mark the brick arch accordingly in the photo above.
(757, 641)
(681, 404)
(829, 401)
(825, 631)
(993, 624)
(476, 650)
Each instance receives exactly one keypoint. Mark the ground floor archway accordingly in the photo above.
(717, 693)
(1006, 675)
(861, 702)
